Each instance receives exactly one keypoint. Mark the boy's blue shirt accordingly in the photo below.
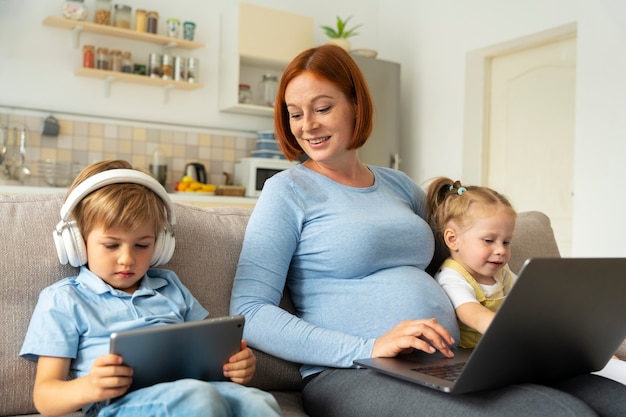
(74, 317)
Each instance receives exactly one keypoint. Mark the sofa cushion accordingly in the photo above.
(533, 237)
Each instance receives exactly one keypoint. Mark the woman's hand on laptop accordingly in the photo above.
(241, 366)
(426, 335)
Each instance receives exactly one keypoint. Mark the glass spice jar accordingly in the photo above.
(116, 60)
(88, 56)
(267, 90)
(189, 29)
(192, 70)
(140, 20)
(173, 27)
(102, 16)
(180, 69)
(103, 59)
(152, 22)
(154, 65)
(74, 10)
(127, 63)
(121, 19)
(166, 67)
(245, 94)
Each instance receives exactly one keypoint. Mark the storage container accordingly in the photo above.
(116, 60)
(173, 27)
(267, 90)
(103, 59)
(167, 67)
(127, 63)
(180, 68)
(121, 18)
(89, 53)
(189, 31)
(245, 94)
(152, 24)
(192, 70)
(154, 65)
(75, 10)
(140, 20)
(102, 15)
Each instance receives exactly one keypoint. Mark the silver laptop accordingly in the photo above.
(196, 349)
(563, 317)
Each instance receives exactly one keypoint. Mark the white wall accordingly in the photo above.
(432, 44)
(430, 39)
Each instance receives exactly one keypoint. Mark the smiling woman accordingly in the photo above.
(351, 244)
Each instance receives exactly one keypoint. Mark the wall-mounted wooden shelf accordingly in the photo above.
(77, 27)
(114, 76)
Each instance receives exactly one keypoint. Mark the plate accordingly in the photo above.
(367, 53)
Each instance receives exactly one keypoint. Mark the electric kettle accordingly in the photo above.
(196, 171)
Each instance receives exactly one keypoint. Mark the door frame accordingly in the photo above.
(476, 124)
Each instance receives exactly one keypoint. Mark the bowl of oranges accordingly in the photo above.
(189, 185)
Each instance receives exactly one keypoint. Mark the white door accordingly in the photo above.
(529, 144)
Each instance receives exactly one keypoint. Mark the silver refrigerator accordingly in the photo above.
(383, 79)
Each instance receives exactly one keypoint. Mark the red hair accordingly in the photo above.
(332, 63)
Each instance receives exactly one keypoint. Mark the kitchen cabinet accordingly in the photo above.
(78, 27)
(257, 40)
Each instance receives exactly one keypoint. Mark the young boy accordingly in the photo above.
(119, 229)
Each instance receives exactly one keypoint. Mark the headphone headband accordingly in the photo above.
(116, 176)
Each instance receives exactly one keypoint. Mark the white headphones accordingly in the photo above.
(69, 242)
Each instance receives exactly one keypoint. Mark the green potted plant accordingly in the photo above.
(339, 35)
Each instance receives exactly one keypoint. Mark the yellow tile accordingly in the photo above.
(139, 133)
(48, 153)
(204, 139)
(64, 155)
(124, 146)
(96, 129)
(66, 127)
(96, 144)
(229, 141)
(228, 155)
(178, 151)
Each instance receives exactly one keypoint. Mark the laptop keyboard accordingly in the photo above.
(448, 372)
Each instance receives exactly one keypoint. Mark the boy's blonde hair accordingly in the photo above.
(124, 205)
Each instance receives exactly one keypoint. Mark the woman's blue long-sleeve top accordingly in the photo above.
(353, 259)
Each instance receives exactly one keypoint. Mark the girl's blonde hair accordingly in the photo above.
(450, 201)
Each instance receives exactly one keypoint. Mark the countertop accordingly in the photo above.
(202, 200)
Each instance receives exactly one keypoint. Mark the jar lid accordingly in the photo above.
(244, 85)
(123, 7)
(189, 24)
(173, 20)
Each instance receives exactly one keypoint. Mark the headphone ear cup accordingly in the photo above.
(58, 244)
(164, 248)
(74, 244)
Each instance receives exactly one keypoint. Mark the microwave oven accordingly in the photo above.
(253, 172)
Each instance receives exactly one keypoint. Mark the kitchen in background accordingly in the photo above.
(85, 141)
(87, 134)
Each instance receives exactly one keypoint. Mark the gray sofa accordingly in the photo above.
(208, 242)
